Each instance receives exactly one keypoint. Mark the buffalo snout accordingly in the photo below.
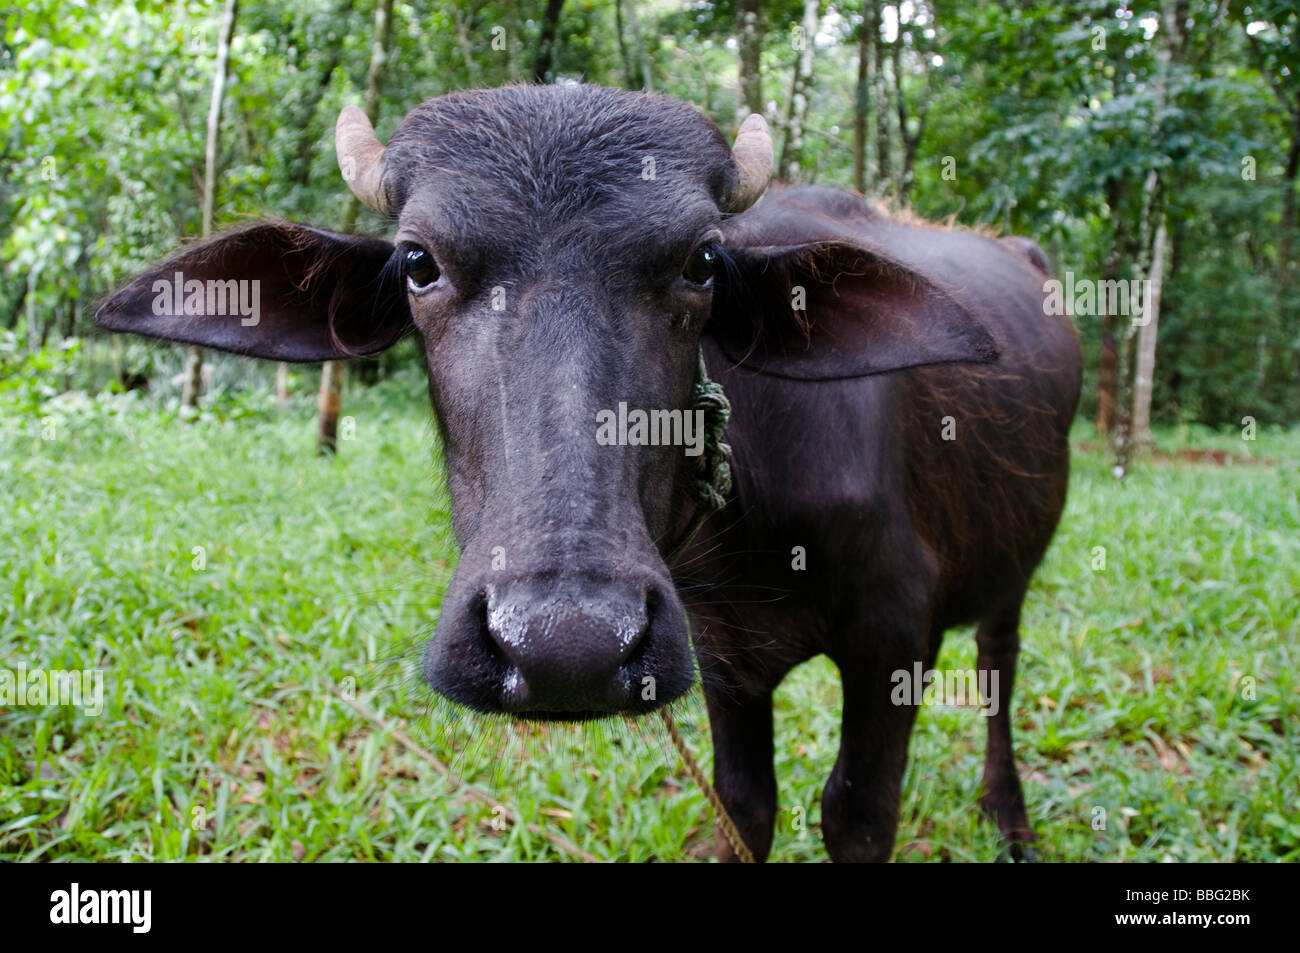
(568, 646)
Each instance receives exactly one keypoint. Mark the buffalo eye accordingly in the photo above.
(700, 266)
(420, 269)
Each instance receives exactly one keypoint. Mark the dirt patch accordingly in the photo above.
(1215, 458)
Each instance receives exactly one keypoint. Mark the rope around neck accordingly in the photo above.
(709, 491)
(712, 480)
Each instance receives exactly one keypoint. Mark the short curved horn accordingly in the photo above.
(753, 155)
(361, 158)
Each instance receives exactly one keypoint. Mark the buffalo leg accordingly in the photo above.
(743, 771)
(860, 803)
(998, 643)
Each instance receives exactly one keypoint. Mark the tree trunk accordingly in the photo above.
(1144, 375)
(749, 35)
(330, 398)
(1287, 305)
(1108, 361)
(33, 335)
(800, 90)
(70, 311)
(512, 46)
(329, 402)
(1286, 240)
(282, 386)
(639, 53)
(1122, 437)
(1120, 443)
(910, 140)
(884, 173)
(1132, 434)
(862, 94)
(48, 323)
(629, 74)
(1107, 373)
(636, 64)
(20, 302)
(193, 380)
(546, 42)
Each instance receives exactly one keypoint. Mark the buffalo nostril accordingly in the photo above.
(635, 647)
(492, 647)
(564, 642)
(632, 628)
(561, 647)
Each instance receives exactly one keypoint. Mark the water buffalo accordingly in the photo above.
(899, 434)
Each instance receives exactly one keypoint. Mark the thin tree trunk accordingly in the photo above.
(70, 311)
(1144, 375)
(884, 173)
(629, 74)
(329, 401)
(800, 90)
(640, 55)
(546, 42)
(282, 386)
(1108, 360)
(48, 324)
(33, 335)
(512, 47)
(193, 380)
(749, 36)
(862, 93)
(910, 140)
(1286, 298)
(1107, 374)
(1122, 442)
(17, 311)
(1132, 434)
(1286, 240)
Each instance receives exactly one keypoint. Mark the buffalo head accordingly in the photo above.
(555, 248)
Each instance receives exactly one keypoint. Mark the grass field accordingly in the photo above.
(1156, 711)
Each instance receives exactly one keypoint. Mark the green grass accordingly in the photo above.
(1156, 697)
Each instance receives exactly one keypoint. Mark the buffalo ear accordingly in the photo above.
(862, 314)
(273, 290)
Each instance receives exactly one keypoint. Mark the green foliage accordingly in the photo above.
(1034, 118)
(27, 380)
